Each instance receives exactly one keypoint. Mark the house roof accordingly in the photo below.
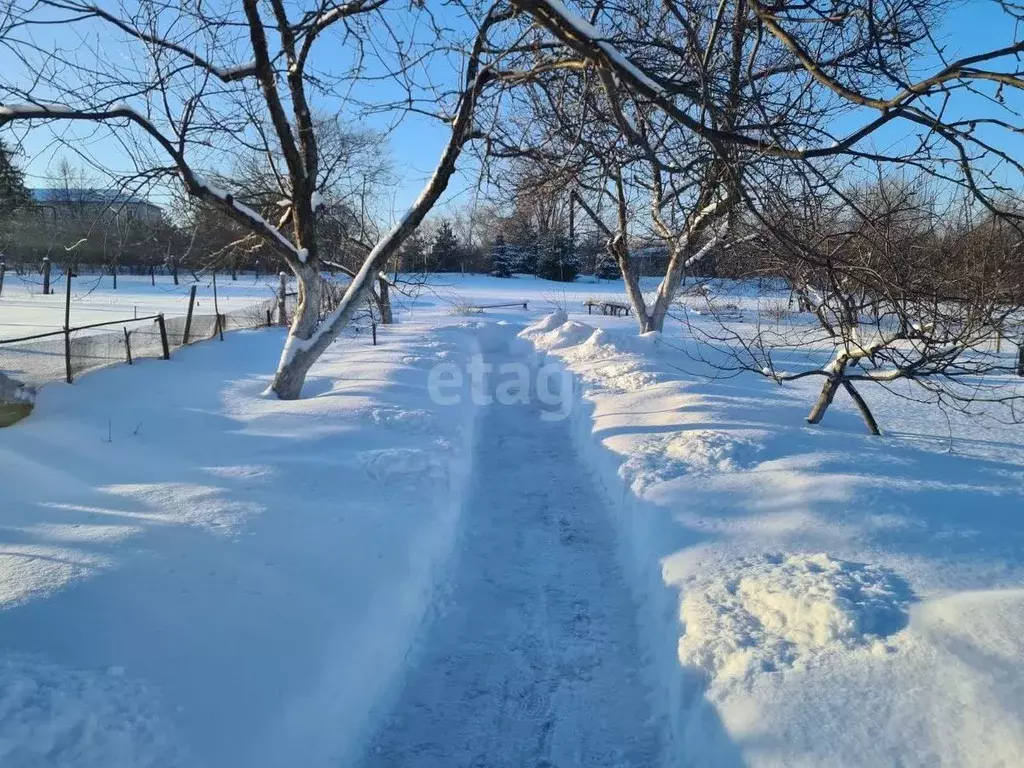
(86, 196)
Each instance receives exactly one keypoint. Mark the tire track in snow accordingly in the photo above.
(534, 663)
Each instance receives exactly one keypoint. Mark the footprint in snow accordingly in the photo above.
(416, 421)
(407, 466)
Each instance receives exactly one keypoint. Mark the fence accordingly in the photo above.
(63, 355)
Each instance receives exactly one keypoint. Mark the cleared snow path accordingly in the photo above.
(532, 661)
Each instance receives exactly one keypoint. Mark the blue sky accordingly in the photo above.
(417, 141)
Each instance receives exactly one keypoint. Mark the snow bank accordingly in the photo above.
(194, 566)
(777, 611)
(55, 716)
(803, 593)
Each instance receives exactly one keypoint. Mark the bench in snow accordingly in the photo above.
(613, 308)
(501, 306)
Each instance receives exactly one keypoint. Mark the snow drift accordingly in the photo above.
(802, 592)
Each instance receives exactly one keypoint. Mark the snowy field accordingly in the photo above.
(681, 572)
(25, 310)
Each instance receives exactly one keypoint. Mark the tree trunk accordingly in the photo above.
(632, 283)
(862, 406)
(828, 393)
(297, 359)
(305, 341)
(384, 302)
(667, 290)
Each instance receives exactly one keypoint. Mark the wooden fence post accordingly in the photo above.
(3, 271)
(67, 327)
(1020, 359)
(270, 317)
(373, 326)
(152, 275)
(188, 315)
(127, 346)
(46, 275)
(163, 336)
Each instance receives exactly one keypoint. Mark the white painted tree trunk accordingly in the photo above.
(291, 372)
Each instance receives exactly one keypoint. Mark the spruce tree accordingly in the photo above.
(444, 253)
(557, 259)
(607, 269)
(13, 194)
(503, 258)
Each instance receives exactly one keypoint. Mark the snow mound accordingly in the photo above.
(404, 465)
(568, 334)
(777, 611)
(706, 450)
(544, 325)
(656, 458)
(50, 716)
(626, 376)
(417, 421)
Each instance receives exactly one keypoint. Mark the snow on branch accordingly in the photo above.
(195, 184)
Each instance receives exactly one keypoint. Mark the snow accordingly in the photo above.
(225, 580)
(33, 110)
(233, 73)
(24, 310)
(802, 590)
(682, 572)
(589, 32)
(317, 200)
(778, 611)
(88, 719)
(246, 211)
(502, 679)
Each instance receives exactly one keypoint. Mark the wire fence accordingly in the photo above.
(64, 355)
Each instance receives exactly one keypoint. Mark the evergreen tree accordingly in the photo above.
(557, 259)
(607, 269)
(13, 194)
(503, 258)
(525, 257)
(414, 253)
(444, 253)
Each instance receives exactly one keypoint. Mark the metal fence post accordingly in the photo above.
(281, 293)
(188, 315)
(67, 326)
(127, 346)
(163, 336)
(216, 310)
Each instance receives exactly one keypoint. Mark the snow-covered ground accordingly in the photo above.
(25, 310)
(809, 595)
(681, 572)
(191, 574)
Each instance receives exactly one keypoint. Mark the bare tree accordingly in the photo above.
(836, 74)
(896, 283)
(184, 109)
